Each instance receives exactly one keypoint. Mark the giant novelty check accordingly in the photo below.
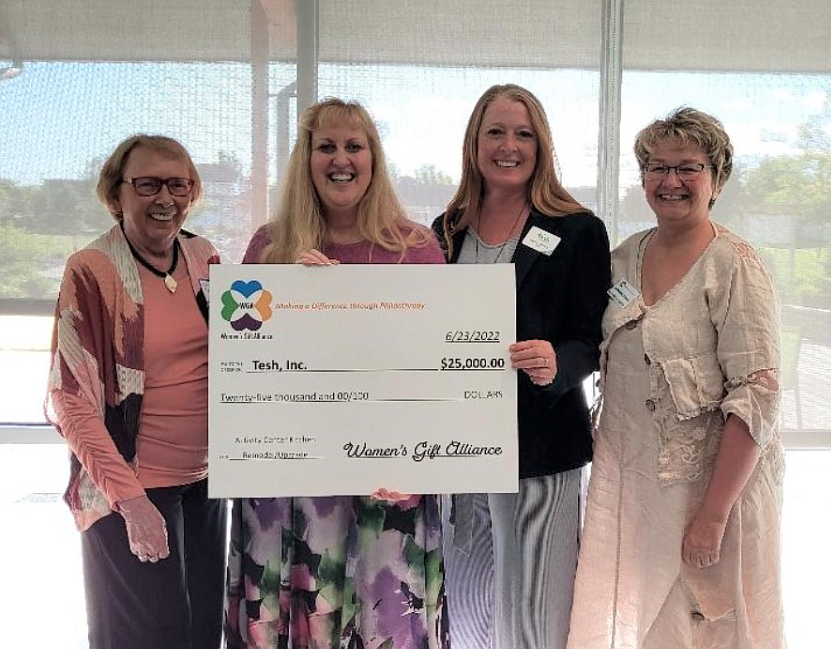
(343, 379)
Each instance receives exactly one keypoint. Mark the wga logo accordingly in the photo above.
(246, 305)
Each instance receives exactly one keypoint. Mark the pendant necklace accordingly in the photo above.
(169, 282)
(504, 243)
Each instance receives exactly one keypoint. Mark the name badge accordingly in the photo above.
(205, 285)
(541, 241)
(623, 293)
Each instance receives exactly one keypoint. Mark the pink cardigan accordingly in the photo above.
(98, 348)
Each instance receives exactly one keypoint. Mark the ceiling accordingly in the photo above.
(706, 35)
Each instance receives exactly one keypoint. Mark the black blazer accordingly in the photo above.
(560, 298)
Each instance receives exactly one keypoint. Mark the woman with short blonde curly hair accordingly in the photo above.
(691, 127)
(680, 546)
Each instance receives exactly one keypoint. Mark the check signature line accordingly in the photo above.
(272, 459)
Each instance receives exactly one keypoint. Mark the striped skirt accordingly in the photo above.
(510, 561)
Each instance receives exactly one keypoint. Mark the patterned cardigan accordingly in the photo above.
(98, 347)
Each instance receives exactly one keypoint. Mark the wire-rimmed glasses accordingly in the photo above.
(686, 171)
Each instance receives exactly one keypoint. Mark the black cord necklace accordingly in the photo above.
(169, 282)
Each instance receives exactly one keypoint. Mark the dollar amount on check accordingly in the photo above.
(340, 380)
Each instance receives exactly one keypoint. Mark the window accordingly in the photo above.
(227, 78)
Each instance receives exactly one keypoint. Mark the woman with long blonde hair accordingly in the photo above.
(511, 208)
(319, 209)
(341, 571)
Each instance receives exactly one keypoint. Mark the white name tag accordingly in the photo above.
(205, 285)
(541, 241)
(623, 293)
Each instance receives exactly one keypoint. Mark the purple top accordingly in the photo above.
(353, 253)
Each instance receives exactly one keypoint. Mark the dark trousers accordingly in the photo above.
(176, 603)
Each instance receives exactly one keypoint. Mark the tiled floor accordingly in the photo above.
(42, 598)
(42, 595)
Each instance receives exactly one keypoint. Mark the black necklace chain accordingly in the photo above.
(499, 252)
(504, 243)
(169, 282)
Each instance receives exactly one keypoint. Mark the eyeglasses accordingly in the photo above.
(150, 185)
(689, 171)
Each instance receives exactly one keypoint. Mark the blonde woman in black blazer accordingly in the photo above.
(510, 207)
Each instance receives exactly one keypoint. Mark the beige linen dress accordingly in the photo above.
(671, 373)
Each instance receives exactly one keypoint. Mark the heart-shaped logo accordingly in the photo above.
(246, 305)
